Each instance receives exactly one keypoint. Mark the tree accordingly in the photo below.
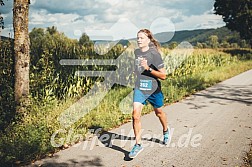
(204, 45)
(173, 45)
(243, 44)
(234, 45)
(21, 51)
(52, 30)
(225, 44)
(199, 45)
(237, 15)
(214, 41)
(36, 46)
(85, 40)
(1, 18)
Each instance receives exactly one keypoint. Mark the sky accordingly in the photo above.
(116, 19)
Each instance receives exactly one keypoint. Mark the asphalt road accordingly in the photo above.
(210, 128)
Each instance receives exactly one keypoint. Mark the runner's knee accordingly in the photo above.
(158, 112)
(136, 115)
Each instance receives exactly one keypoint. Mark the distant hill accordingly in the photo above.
(202, 35)
(223, 33)
(184, 35)
(192, 36)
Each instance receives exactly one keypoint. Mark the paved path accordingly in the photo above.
(210, 128)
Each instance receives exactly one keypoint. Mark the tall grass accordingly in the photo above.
(28, 138)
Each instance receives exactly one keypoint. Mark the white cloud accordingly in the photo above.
(206, 20)
(80, 15)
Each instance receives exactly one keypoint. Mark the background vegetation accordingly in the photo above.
(26, 136)
(209, 38)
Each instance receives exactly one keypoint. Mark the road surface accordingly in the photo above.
(210, 128)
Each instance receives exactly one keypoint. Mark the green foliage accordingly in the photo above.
(241, 54)
(54, 88)
(1, 3)
(213, 41)
(51, 80)
(1, 22)
(199, 45)
(29, 141)
(48, 78)
(27, 137)
(186, 35)
(223, 34)
(7, 105)
(196, 37)
(237, 15)
(173, 45)
(199, 61)
(1, 18)
(85, 41)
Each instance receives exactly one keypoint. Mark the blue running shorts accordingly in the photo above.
(155, 99)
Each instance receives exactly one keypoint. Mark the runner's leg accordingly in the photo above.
(162, 117)
(136, 115)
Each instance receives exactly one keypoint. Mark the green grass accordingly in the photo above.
(248, 158)
(29, 137)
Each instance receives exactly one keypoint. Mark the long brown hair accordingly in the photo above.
(151, 37)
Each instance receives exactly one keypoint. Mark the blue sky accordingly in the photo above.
(98, 17)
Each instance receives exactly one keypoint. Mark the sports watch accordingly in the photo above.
(150, 69)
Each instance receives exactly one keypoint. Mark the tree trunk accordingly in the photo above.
(21, 51)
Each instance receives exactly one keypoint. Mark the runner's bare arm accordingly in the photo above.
(161, 73)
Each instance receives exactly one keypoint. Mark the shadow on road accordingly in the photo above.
(231, 94)
(241, 94)
(106, 138)
(91, 161)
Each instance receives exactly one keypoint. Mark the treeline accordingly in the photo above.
(209, 38)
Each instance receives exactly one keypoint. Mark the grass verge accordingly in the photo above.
(29, 138)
